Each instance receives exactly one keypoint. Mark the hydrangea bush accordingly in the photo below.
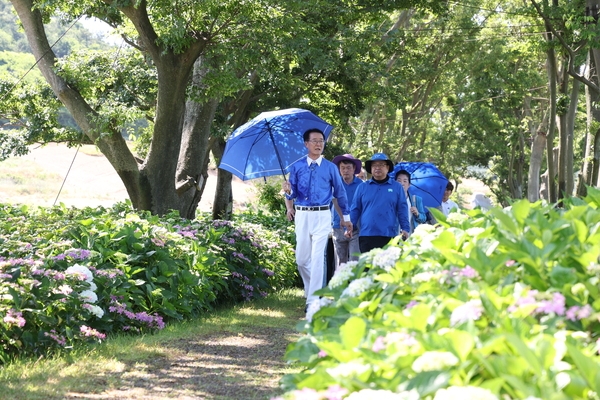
(69, 275)
(496, 305)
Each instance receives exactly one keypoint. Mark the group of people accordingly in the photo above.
(367, 214)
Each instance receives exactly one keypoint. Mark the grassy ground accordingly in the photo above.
(233, 353)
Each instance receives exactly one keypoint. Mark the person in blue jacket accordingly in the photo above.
(346, 248)
(416, 210)
(379, 206)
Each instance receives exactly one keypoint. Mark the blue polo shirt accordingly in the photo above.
(379, 208)
(350, 190)
(316, 186)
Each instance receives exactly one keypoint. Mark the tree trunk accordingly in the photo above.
(223, 202)
(595, 111)
(193, 157)
(569, 133)
(552, 73)
(151, 185)
(563, 155)
(535, 165)
(586, 169)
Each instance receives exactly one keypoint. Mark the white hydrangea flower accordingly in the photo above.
(387, 258)
(434, 361)
(93, 286)
(475, 231)
(456, 218)
(562, 379)
(464, 393)
(342, 274)
(315, 306)
(370, 394)
(401, 338)
(358, 286)
(424, 228)
(470, 311)
(423, 277)
(64, 289)
(81, 271)
(349, 369)
(97, 311)
(88, 296)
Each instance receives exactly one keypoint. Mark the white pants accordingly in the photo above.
(312, 232)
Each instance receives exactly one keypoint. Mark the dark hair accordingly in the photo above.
(402, 172)
(306, 135)
(450, 186)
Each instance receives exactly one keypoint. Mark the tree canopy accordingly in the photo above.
(458, 85)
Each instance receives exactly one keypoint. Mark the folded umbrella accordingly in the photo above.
(270, 143)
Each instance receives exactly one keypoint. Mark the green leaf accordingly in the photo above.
(352, 332)
(587, 366)
(462, 343)
(525, 352)
(520, 210)
(505, 221)
(428, 382)
(561, 276)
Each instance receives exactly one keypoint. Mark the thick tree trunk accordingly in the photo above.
(151, 185)
(193, 158)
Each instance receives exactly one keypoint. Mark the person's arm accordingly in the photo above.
(402, 214)
(339, 193)
(290, 210)
(355, 209)
(337, 208)
(421, 217)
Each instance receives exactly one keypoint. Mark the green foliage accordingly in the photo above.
(270, 196)
(493, 305)
(70, 275)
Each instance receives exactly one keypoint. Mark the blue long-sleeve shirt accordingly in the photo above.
(379, 208)
(350, 190)
(317, 186)
(417, 201)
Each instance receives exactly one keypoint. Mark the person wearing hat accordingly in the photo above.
(312, 183)
(379, 207)
(346, 248)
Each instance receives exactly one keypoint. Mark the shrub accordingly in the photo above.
(271, 197)
(491, 305)
(69, 275)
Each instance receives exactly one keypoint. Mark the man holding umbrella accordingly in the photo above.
(313, 182)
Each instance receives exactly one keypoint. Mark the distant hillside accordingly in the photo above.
(16, 60)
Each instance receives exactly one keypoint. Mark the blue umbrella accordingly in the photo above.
(270, 143)
(426, 181)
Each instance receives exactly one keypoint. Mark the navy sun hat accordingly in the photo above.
(379, 157)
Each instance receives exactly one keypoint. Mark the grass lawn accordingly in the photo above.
(233, 353)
